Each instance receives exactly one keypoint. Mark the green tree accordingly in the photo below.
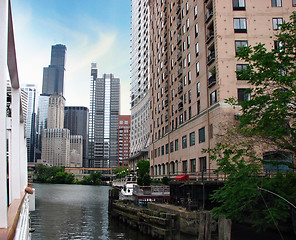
(94, 178)
(121, 172)
(267, 118)
(271, 111)
(144, 178)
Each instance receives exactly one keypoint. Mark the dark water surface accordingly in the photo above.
(77, 212)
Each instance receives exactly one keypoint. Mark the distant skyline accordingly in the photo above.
(93, 31)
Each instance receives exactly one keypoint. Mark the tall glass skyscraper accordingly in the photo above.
(103, 120)
(53, 75)
(30, 89)
(139, 141)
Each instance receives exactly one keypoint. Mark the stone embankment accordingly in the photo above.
(166, 221)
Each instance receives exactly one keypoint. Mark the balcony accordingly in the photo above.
(179, 55)
(210, 36)
(180, 106)
(180, 89)
(179, 39)
(211, 58)
(178, 23)
(208, 15)
(212, 80)
(180, 72)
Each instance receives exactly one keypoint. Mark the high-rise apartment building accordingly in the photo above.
(124, 125)
(53, 75)
(76, 120)
(103, 120)
(139, 141)
(31, 91)
(193, 46)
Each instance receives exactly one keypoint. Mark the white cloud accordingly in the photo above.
(107, 47)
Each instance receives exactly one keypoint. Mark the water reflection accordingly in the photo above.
(76, 212)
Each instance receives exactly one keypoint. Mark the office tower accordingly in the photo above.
(42, 116)
(103, 120)
(56, 147)
(124, 125)
(76, 150)
(76, 120)
(56, 139)
(31, 91)
(53, 75)
(194, 45)
(56, 106)
(139, 141)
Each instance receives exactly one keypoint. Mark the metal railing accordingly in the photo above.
(152, 191)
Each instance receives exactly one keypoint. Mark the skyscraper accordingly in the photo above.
(76, 120)
(53, 75)
(139, 140)
(124, 126)
(103, 120)
(55, 138)
(193, 67)
(30, 89)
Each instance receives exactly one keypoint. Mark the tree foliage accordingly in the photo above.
(53, 174)
(271, 110)
(144, 178)
(94, 178)
(267, 119)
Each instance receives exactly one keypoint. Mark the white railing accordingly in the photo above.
(22, 229)
(151, 191)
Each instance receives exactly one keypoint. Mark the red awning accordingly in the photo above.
(184, 177)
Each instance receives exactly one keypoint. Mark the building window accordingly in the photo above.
(172, 146)
(195, 11)
(240, 67)
(162, 150)
(188, 59)
(167, 148)
(197, 68)
(239, 44)
(276, 22)
(185, 166)
(187, 23)
(239, 5)
(294, 3)
(203, 164)
(196, 49)
(201, 135)
(189, 113)
(277, 161)
(189, 96)
(176, 145)
(189, 73)
(198, 107)
(277, 45)
(196, 30)
(276, 3)
(240, 25)
(184, 142)
(198, 89)
(213, 97)
(193, 165)
(242, 95)
(192, 139)
(188, 41)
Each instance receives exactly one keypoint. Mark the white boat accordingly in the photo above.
(126, 192)
(14, 197)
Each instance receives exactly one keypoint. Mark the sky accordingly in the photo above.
(92, 30)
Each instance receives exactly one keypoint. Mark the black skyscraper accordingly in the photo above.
(53, 75)
(76, 120)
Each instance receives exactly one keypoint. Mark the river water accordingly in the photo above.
(77, 212)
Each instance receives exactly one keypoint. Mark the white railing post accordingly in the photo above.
(3, 79)
(14, 164)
